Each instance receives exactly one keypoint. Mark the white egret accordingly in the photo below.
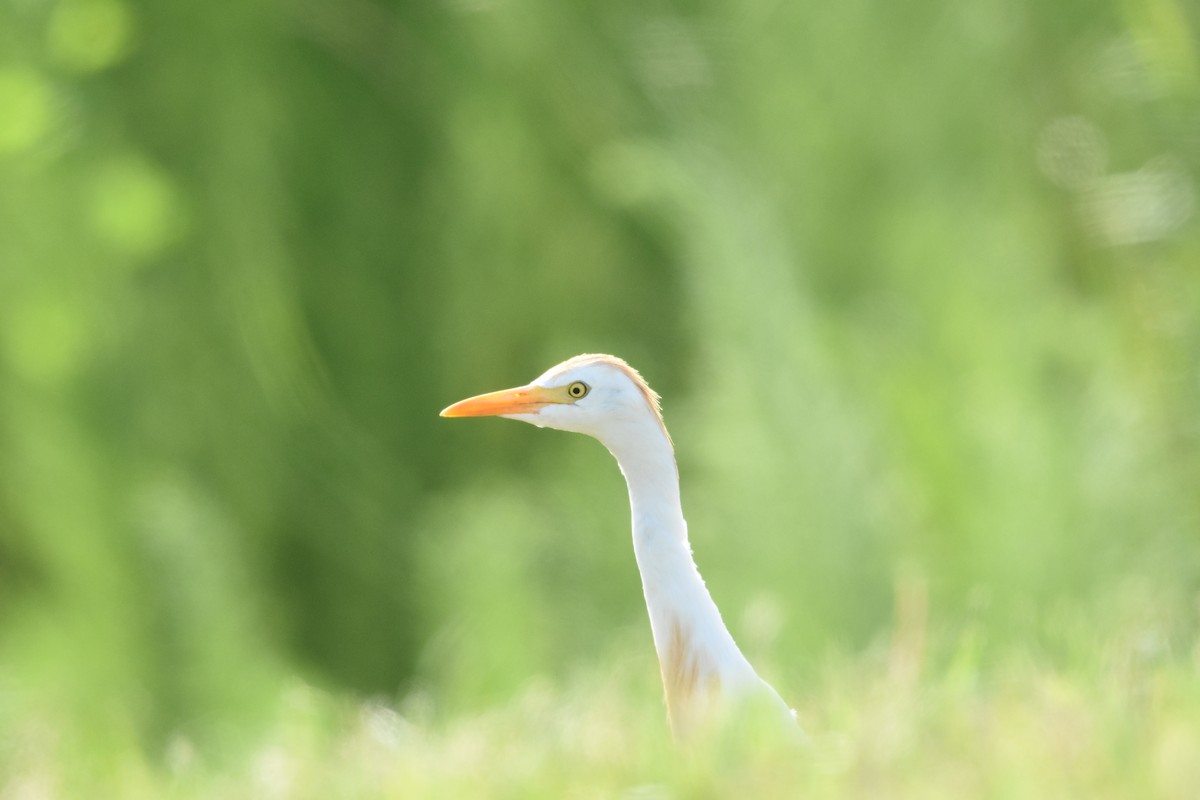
(703, 671)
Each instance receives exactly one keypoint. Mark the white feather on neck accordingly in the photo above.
(701, 665)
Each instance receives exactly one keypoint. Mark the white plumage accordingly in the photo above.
(704, 673)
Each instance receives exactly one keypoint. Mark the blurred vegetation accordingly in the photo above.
(920, 285)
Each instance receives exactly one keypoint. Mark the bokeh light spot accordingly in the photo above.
(1143, 206)
(90, 35)
(25, 109)
(134, 206)
(43, 339)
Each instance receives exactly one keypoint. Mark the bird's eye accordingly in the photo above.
(577, 389)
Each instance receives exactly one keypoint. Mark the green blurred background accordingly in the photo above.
(919, 282)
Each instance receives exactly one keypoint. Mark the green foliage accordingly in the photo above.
(918, 284)
(895, 721)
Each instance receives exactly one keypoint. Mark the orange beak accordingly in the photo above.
(522, 400)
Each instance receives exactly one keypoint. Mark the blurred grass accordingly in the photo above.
(1117, 720)
(919, 286)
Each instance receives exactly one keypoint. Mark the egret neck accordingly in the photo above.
(605, 398)
(696, 653)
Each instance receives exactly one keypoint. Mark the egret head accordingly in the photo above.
(599, 395)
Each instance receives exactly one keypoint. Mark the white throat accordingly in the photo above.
(699, 660)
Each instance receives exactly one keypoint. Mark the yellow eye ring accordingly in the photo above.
(577, 390)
